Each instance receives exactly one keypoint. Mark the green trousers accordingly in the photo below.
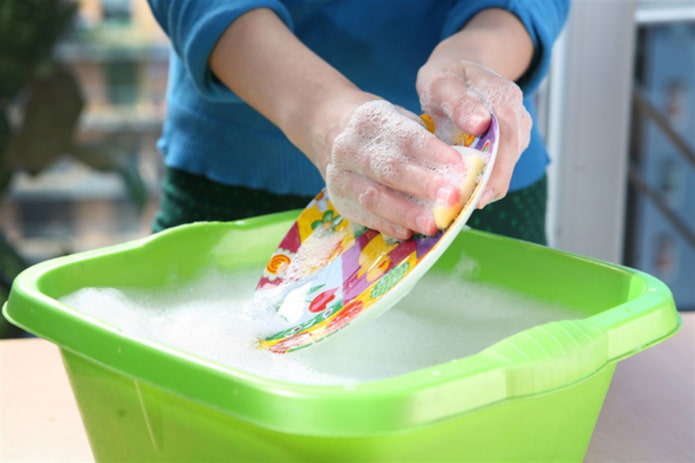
(189, 198)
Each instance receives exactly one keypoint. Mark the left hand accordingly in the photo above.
(466, 93)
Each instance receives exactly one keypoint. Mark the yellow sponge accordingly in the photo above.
(444, 215)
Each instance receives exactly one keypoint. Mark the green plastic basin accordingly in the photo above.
(535, 395)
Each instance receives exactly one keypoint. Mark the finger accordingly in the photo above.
(430, 170)
(498, 184)
(525, 125)
(428, 150)
(471, 115)
(514, 138)
(458, 104)
(345, 199)
(425, 185)
(381, 225)
(394, 208)
(382, 208)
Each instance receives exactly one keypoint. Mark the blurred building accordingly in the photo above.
(119, 56)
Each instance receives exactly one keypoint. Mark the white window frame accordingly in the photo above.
(587, 109)
(587, 128)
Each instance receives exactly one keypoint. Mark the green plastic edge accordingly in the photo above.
(518, 366)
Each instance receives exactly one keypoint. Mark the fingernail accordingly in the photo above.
(479, 120)
(482, 113)
(446, 196)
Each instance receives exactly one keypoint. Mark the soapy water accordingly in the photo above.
(444, 317)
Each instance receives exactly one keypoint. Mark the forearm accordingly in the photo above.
(494, 38)
(261, 60)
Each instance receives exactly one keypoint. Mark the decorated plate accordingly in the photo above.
(328, 273)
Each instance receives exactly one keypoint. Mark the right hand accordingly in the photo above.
(386, 171)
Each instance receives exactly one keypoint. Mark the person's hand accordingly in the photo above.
(387, 172)
(466, 93)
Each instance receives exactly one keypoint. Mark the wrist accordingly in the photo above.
(322, 122)
(495, 39)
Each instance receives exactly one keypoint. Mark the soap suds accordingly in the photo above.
(443, 318)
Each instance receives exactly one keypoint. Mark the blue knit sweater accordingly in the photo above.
(378, 44)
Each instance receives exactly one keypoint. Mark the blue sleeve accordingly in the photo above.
(194, 26)
(543, 19)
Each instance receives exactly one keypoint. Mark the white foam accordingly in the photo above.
(442, 318)
(363, 149)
